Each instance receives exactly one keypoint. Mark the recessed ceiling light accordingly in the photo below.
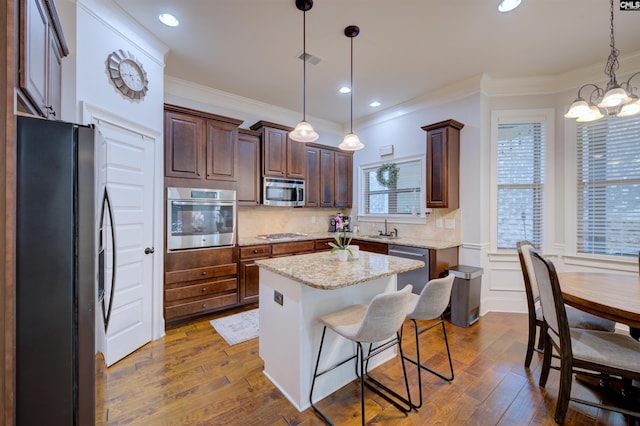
(508, 5)
(375, 104)
(168, 19)
(345, 89)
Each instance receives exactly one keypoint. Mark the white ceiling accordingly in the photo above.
(406, 48)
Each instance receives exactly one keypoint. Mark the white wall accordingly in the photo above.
(94, 29)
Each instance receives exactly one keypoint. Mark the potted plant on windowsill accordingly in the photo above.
(342, 243)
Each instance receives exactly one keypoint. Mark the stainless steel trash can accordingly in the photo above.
(465, 294)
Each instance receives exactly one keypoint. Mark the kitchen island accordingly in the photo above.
(294, 292)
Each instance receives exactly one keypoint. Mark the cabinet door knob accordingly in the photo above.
(204, 289)
(204, 272)
(204, 305)
(149, 250)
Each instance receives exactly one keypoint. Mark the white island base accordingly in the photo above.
(290, 335)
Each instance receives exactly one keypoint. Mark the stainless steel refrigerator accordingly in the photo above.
(56, 273)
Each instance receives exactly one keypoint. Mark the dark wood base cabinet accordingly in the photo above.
(249, 272)
(197, 282)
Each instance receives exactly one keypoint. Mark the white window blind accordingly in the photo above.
(520, 180)
(608, 169)
(402, 199)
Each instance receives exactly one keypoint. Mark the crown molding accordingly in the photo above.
(217, 98)
(113, 17)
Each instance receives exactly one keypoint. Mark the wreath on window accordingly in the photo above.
(387, 175)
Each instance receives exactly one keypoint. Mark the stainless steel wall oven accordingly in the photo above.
(199, 217)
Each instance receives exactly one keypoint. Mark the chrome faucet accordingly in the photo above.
(386, 233)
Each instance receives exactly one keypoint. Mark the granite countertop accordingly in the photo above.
(324, 271)
(402, 241)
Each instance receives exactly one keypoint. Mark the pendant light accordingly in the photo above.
(615, 100)
(351, 142)
(304, 131)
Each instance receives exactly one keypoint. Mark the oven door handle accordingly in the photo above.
(197, 203)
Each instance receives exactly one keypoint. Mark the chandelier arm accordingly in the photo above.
(627, 84)
(596, 89)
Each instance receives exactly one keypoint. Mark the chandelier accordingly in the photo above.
(617, 100)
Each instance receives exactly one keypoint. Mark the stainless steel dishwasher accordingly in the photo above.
(418, 277)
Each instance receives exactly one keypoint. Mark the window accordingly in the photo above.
(608, 187)
(402, 197)
(520, 182)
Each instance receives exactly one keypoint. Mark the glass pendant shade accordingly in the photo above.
(304, 133)
(593, 115)
(614, 97)
(351, 142)
(508, 5)
(632, 108)
(578, 108)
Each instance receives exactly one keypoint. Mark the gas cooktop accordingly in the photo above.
(283, 236)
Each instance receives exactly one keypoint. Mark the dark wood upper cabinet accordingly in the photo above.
(295, 159)
(343, 179)
(312, 183)
(221, 158)
(248, 186)
(199, 145)
(443, 164)
(184, 147)
(329, 177)
(42, 47)
(281, 157)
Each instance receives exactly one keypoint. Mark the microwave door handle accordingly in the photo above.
(300, 194)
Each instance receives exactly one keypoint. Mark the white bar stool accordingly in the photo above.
(430, 304)
(380, 320)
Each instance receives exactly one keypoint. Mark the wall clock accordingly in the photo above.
(127, 74)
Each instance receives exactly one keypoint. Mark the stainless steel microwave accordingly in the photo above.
(282, 192)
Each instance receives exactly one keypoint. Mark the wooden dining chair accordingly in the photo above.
(589, 352)
(576, 317)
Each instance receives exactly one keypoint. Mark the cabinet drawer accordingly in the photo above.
(200, 289)
(201, 273)
(199, 306)
(252, 252)
(323, 244)
(298, 247)
(373, 247)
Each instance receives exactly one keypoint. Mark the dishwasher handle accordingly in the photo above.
(406, 253)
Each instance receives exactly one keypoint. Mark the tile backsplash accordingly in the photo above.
(439, 225)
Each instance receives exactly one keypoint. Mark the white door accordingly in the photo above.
(127, 163)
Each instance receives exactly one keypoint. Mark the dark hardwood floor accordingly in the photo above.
(192, 377)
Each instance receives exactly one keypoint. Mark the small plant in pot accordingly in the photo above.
(342, 241)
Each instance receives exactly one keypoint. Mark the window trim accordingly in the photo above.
(421, 218)
(542, 115)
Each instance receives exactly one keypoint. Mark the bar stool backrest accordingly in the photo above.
(384, 317)
(434, 299)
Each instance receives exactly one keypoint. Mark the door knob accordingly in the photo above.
(149, 250)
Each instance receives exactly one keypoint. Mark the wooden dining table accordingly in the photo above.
(607, 295)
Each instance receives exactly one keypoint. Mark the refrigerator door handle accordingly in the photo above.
(106, 309)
